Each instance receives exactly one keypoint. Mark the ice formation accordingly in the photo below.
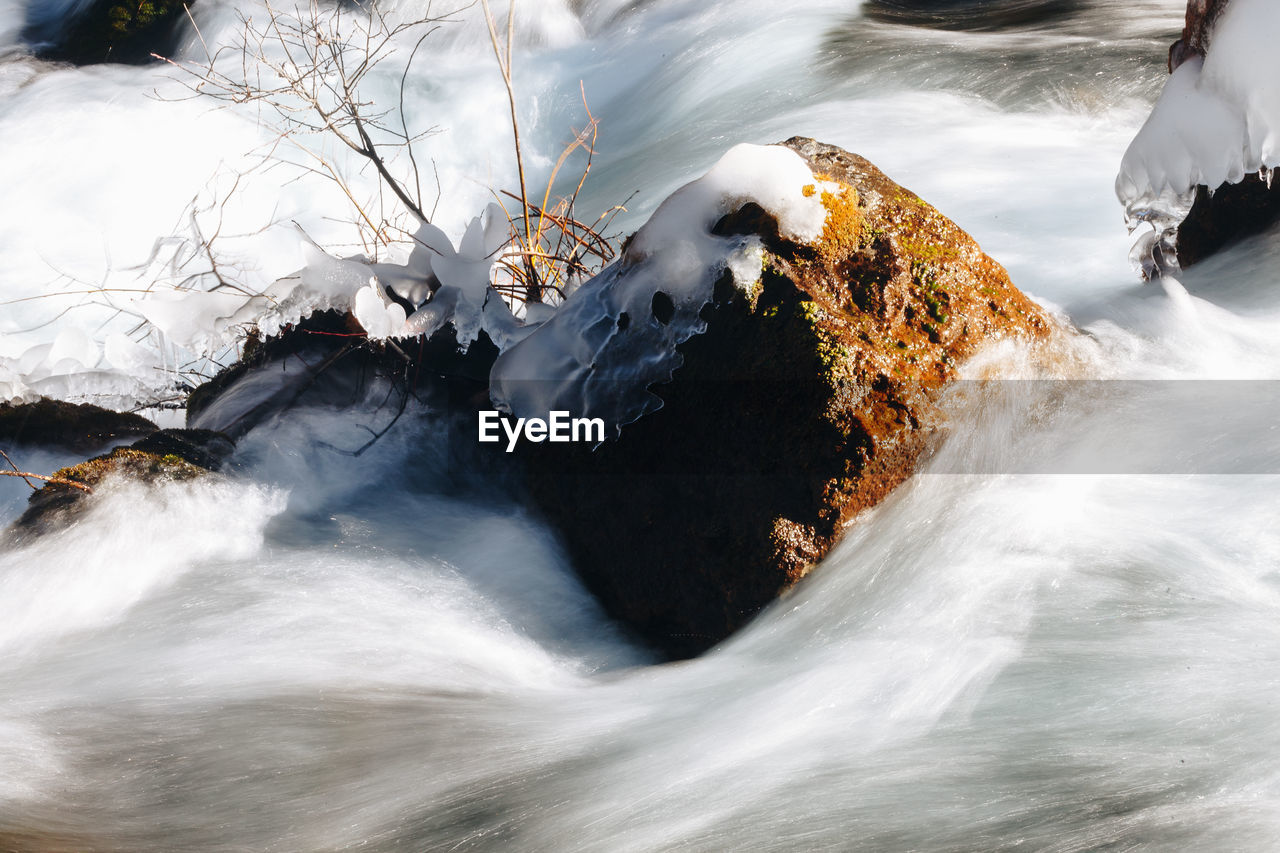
(443, 284)
(465, 296)
(74, 366)
(617, 335)
(1217, 120)
(595, 355)
(380, 318)
(463, 293)
(203, 321)
(192, 324)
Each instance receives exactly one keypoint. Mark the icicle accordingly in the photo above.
(1142, 256)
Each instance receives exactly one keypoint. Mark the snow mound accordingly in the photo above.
(617, 334)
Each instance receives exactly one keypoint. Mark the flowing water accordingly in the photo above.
(1062, 635)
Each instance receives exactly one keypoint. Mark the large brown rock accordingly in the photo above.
(805, 402)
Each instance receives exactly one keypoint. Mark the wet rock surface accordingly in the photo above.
(165, 455)
(970, 14)
(327, 361)
(1231, 213)
(53, 423)
(1196, 33)
(108, 31)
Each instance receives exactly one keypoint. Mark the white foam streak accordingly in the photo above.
(86, 578)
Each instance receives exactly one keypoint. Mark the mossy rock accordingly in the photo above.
(53, 423)
(122, 31)
(806, 401)
(164, 456)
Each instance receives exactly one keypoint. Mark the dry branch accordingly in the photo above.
(303, 69)
(27, 476)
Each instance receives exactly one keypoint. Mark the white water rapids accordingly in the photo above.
(384, 653)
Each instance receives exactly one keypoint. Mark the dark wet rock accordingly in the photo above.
(82, 427)
(204, 448)
(165, 455)
(805, 402)
(970, 14)
(1231, 213)
(327, 361)
(127, 32)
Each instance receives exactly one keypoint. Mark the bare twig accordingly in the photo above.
(533, 286)
(27, 477)
(303, 68)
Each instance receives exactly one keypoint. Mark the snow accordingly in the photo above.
(769, 175)
(606, 346)
(1217, 120)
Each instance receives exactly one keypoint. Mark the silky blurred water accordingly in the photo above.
(386, 653)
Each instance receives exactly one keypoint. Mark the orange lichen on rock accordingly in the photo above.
(842, 231)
